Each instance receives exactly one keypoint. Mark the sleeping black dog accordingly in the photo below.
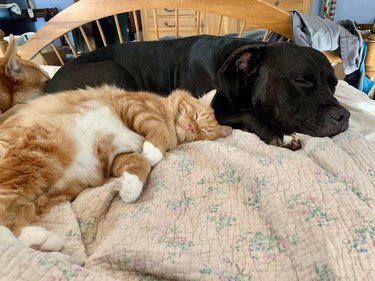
(272, 90)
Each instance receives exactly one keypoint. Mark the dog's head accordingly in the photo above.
(20, 80)
(291, 85)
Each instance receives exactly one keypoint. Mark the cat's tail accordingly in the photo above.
(18, 215)
(25, 178)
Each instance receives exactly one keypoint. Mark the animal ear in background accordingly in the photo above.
(244, 59)
(225, 131)
(13, 69)
(207, 98)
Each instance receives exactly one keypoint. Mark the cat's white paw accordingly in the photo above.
(32, 236)
(152, 153)
(7, 236)
(54, 243)
(39, 238)
(131, 187)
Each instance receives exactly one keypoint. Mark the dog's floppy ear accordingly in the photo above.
(13, 69)
(244, 59)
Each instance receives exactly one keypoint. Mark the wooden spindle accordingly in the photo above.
(118, 27)
(220, 23)
(57, 53)
(85, 38)
(156, 24)
(101, 32)
(266, 35)
(242, 28)
(43, 60)
(198, 22)
(136, 26)
(176, 21)
(70, 45)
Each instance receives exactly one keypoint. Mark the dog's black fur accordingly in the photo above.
(272, 90)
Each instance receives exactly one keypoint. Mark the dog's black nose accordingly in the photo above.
(339, 114)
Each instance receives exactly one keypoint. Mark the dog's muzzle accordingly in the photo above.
(327, 122)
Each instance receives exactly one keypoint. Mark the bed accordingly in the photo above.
(231, 209)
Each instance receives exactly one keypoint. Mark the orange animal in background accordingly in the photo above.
(20, 80)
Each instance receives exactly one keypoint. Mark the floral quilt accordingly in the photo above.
(231, 209)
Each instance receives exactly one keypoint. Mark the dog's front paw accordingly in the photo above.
(152, 153)
(291, 142)
(131, 187)
(38, 238)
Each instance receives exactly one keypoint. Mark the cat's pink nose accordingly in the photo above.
(191, 128)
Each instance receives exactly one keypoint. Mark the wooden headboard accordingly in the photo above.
(256, 12)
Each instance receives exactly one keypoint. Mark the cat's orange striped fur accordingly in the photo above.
(57, 145)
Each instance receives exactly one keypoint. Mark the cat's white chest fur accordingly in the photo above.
(88, 129)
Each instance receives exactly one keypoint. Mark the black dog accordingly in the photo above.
(271, 90)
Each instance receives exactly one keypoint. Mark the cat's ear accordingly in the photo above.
(225, 131)
(207, 98)
(13, 69)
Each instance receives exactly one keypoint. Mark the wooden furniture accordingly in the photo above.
(190, 17)
(190, 22)
(370, 61)
(256, 12)
(370, 57)
(168, 20)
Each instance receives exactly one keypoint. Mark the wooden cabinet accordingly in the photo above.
(303, 6)
(180, 23)
(217, 25)
(169, 22)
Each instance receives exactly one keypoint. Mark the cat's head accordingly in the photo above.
(195, 119)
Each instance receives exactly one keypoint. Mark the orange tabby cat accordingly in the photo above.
(57, 145)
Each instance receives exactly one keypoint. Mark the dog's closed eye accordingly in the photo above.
(302, 82)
